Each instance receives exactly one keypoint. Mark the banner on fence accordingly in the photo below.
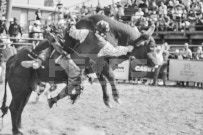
(122, 71)
(139, 69)
(186, 70)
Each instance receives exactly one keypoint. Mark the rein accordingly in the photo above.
(73, 49)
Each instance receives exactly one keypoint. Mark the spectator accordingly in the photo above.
(129, 3)
(177, 15)
(199, 53)
(36, 29)
(159, 54)
(159, 57)
(178, 55)
(187, 53)
(144, 23)
(90, 10)
(163, 9)
(163, 22)
(3, 27)
(198, 6)
(98, 8)
(170, 5)
(187, 5)
(199, 23)
(165, 46)
(165, 62)
(120, 11)
(38, 14)
(153, 7)
(139, 14)
(66, 13)
(15, 30)
(147, 13)
(101, 12)
(143, 5)
(199, 56)
(11, 21)
(192, 19)
(138, 2)
(154, 17)
(83, 10)
(114, 11)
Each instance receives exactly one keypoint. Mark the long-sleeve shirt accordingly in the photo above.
(107, 48)
(14, 29)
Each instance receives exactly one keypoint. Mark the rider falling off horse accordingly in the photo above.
(106, 50)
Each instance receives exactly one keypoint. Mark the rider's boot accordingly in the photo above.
(68, 90)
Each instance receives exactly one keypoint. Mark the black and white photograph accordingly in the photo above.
(101, 67)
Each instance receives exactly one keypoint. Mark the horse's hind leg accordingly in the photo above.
(103, 83)
(23, 103)
(15, 108)
(109, 74)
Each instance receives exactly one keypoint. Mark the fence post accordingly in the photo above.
(9, 9)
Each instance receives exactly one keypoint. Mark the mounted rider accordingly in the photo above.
(106, 50)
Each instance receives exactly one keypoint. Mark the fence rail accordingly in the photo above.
(13, 38)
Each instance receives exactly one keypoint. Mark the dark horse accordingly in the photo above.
(22, 81)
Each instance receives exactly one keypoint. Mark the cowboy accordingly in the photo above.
(102, 29)
(106, 50)
(3, 26)
(36, 30)
(15, 30)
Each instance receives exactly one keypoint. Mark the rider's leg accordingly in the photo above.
(145, 36)
(156, 74)
(74, 81)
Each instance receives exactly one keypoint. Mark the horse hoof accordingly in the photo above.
(117, 100)
(108, 104)
(51, 102)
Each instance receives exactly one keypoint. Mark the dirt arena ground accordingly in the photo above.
(145, 110)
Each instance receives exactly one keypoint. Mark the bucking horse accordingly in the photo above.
(22, 81)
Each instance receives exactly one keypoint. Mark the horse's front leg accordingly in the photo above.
(109, 74)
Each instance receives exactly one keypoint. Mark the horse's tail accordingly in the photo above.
(4, 108)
